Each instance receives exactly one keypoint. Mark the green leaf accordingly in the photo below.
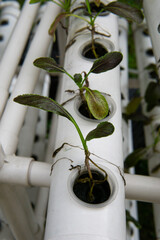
(133, 105)
(48, 64)
(133, 158)
(126, 11)
(129, 218)
(49, 105)
(103, 129)
(38, 1)
(138, 117)
(97, 104)
(107, 62)
(152, 95)
(44, 103)
(78, 79)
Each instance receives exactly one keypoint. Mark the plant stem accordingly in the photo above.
(86, 151)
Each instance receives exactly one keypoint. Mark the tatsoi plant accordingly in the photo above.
(95, 101)
(118, 8)
(102, 130)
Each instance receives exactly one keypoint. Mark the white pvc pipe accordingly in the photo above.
(142, 188)
(66, 217)
(16, 208)
(8, 19)
(131, 205)
(14, 49)
(25, 172)
(143, 44)
(13, 116)
(151, 11)
(28, 131)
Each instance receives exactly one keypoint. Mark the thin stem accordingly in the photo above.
(80, 134)
(93, 45)
(77, 16)
(69, 75)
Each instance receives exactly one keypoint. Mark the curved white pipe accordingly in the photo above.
(13, 116)
(14, 49)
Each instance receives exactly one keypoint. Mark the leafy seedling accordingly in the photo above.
(118, 8)
(96, 102)
(102, 130)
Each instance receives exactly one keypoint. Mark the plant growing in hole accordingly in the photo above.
(102, 130)
(94, 101)
(118, 8)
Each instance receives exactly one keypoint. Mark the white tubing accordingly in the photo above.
(8, 19)
(151, 11)
(143, 44)
(67, 218)
(39, 174)
(13, 116)
(131, 205)
(16, 208)
(25, 172)
(14, 49)
(142, 188)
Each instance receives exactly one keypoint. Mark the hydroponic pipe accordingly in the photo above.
(10, 12)
(151, 11)
(13, 116)
(14, 49)
(25, 172)
(16, 208)
(142, 188)
(67, 216)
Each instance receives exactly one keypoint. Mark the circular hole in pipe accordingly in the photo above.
(1, 38)
(131, 231)
(153, 74)
(149, 52)
(99, 49)
(82, 110)
(82, 189)
(102, 47)
(145, 32)
(96, 9)
(158, 28)
(103, 193)
(4, 22)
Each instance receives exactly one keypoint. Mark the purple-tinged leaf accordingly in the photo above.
(44, 103)
(78, 79)
(48, 64)
(107, 62)
(53, 26)
(103, 129)
(126, 11)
